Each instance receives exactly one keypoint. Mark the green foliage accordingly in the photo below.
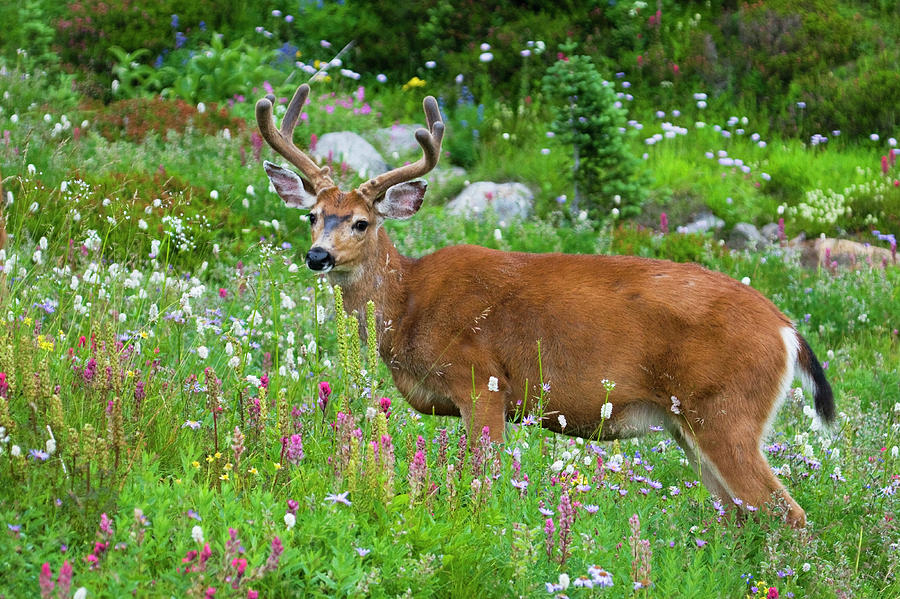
(87, 31)
(586, 117)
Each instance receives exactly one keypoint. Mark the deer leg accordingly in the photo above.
(483, 406)
(708, 473)
(745, 475)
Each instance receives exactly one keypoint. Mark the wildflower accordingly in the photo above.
(290, 520)
(430, 64)
(294, 449)
(39, 454)
(493, 384)
(338, 498)
(676, 405)
(486, 57)
(600, 577)
(324, 394)
(606, 411)
(583, 582)
(562, 421)
(549, 530)
(197, 534)
(192, 424)
(413, 83)
(362, 552)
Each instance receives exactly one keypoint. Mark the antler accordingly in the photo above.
(282, 141)
(430, 141)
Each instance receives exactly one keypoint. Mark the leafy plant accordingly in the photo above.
(587, 117)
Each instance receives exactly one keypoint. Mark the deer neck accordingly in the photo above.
(380, 279)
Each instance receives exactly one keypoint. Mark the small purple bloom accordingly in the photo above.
(338, 498)
(39, 454)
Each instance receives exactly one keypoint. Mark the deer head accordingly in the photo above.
(345, 224)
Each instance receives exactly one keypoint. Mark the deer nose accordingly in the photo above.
(319, 259)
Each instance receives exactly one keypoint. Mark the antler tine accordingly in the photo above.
(282, 141)
(430, 140)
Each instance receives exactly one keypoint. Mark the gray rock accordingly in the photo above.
(442, 175)
(508, 200)
(745, 236)
(704, 222)
(350, 148)
(770, 232)
(399, 138)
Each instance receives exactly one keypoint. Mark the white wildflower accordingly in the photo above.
(606, 411)
(493, 384)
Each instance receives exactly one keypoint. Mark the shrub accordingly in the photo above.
(135, 119)
(586, 116)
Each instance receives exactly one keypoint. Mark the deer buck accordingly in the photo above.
(692, 350)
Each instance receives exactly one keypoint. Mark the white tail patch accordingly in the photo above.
(792, 351)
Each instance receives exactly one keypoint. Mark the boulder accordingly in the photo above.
(826, 252)
(745, 236)
(507, 200)
(399, 138)
(705, 221)
(770, 232)
(350, 148)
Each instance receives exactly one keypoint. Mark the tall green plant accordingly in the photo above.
(605, 174)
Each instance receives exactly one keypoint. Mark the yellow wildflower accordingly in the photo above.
(224, 476)
(143, 335)
(277, 466)
(413, 83)
(27, 321)
(44, 344)
(195, 464)
(217, 455)
(209, 458)
(253, 470)
(227, 466)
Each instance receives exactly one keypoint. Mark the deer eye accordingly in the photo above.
(312, 219)
(360, 225)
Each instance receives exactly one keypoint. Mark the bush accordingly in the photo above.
(135, 119)
(586, 116)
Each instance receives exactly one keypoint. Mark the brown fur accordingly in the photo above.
(657, 329)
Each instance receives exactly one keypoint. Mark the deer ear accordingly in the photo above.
(403, 200)
(293, 189)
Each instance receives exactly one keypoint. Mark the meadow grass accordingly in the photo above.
(186, 414)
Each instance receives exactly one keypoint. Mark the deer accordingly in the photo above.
(474, 332)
